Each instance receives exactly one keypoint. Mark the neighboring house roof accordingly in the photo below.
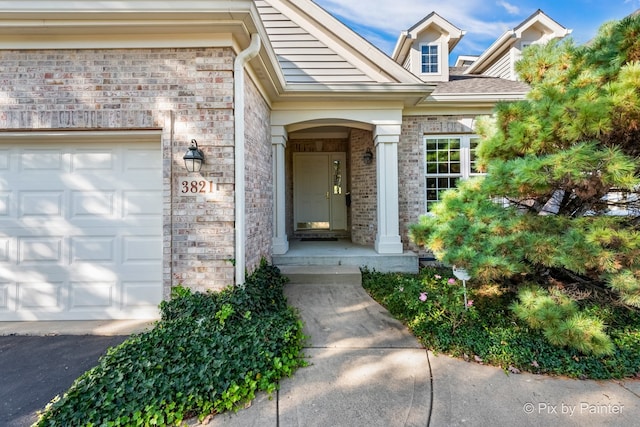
(539, 21)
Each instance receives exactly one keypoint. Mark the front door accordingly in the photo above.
(319, 191)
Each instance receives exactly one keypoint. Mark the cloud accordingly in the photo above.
(388, 18)
(511, 9)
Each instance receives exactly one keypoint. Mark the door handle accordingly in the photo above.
(327, 195)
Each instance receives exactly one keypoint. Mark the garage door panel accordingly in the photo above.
(136, 159)
(41, 161)
(93, 204)
(37, 250)
(140, 294)
(80, 231)
(92, 295)
(41, 203)
(140, 203)
(5, 204)
(92, 161)
(138, 249)
(5, 250)
(93, 249)
(40, 295)
(4, 159)
(4, 296)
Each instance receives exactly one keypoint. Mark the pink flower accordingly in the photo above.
(437, 276)
(470, 303)
(423, 296)
(451, 281)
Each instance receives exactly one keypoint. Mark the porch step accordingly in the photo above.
(406, 263)
(322, 274)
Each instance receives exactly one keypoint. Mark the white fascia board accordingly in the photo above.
(63, 7)
(403, 45)
(300, 114)
(66, 18)
(381, 88)
(499, 46)
(475, 97)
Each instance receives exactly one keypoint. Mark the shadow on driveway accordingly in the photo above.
(34, 369)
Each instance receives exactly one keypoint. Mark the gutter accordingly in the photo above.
(239, 127)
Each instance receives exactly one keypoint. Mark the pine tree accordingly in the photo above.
(562, 183)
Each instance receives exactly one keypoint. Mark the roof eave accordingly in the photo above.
(475, 97)
(408, 94)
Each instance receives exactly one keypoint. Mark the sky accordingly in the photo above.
(381, 21)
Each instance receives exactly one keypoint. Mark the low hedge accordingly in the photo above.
(487, 331)
(210, 352)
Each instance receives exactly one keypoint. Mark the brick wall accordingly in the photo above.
(411, 165)
(364, 217)
(187, 93)
(259, 178)
(411, 182)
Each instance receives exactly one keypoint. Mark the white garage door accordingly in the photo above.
(80, 229)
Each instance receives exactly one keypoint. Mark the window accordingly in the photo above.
(430, 58)
(448, 159)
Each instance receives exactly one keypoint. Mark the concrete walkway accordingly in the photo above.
(367, 370)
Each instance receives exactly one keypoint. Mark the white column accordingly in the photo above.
(386, 138)
(278, 145)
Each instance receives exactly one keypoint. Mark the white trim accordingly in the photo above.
(280, 243)
(438, 72)
(386, 139)
(465, 158)
(26, 137)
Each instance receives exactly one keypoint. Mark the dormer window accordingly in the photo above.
(430, 58)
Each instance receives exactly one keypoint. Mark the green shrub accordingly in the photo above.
(561, 321)
(208, 354)
(490, 332)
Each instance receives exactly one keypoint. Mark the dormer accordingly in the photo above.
(500, 58)
(424, 48)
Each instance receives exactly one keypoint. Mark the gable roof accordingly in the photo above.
(537, 20)
(314, 47)
(407, 37)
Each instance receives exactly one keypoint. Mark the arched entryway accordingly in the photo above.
(351, 168)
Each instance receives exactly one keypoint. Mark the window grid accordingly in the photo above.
(448, 160)
(429, 58)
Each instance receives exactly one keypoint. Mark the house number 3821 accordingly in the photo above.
(196, 187)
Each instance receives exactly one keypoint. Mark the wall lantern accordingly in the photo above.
(193, 158)
(367, 158)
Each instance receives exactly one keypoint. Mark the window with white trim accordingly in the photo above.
(448, 160)
(430, 58)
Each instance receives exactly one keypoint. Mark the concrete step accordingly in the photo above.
(407, 262)
(322, 274)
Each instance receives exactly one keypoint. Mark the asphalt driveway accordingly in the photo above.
(34, 369)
